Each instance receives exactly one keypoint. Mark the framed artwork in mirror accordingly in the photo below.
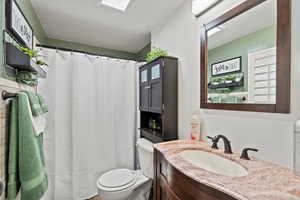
(245, 62)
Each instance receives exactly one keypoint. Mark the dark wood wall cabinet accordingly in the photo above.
(158, 99)
(171, 184)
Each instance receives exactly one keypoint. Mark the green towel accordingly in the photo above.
(35, 105)
(26, 167)
(27, 77)
(13, 184)
(43, 103)
(229, 99)
(216, 100)
(232, 99)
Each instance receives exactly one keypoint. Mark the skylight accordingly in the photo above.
(117, 4)
(200, 6)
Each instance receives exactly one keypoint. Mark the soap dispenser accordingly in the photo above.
(195, 127)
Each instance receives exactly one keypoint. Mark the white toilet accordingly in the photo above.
(125, 184)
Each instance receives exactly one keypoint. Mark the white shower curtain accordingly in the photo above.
(92, 121)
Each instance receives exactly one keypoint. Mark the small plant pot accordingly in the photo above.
(16, 58)
(215, 83)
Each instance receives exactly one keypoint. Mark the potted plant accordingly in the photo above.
(30, 77)
(34, 55)
(216, 81)
(230, 78)
(155, 53)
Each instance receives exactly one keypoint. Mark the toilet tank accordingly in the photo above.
(145, 152)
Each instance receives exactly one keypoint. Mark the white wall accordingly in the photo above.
(179, 34)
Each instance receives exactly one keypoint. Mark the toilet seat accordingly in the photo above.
(117, 180)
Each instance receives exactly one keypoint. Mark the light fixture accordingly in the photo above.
(117, 4)
(201, 6)
(215, 30)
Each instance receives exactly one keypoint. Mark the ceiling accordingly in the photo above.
(262, 16)
(89, 22)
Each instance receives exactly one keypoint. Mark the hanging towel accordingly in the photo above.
(43, 103)
(38, 122)
(39, 111)
(35, 105)
(26, 167)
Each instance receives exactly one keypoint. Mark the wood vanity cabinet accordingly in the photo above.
(171, 184)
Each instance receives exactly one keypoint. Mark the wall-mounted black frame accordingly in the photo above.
(9, 26)
(239, 70)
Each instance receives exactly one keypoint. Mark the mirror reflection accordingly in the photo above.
(242, 58)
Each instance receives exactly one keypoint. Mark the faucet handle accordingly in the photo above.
(245, 155)
(214, 141)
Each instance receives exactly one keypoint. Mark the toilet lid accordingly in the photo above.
(117, 178)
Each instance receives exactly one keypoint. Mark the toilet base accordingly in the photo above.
(143, 192)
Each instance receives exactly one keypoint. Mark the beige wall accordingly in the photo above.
(179, 34)
(9, 86)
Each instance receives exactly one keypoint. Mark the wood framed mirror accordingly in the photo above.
(246, 58)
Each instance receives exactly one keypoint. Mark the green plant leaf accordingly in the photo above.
(34, 54)
(41, 63)
(155, 53)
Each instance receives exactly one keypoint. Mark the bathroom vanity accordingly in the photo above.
(180, 176)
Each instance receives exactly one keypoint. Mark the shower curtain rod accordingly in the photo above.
(84, 52)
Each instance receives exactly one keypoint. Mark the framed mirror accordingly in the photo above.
(246, 56)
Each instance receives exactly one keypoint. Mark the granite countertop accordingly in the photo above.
(265, 180)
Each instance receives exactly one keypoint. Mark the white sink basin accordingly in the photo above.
(213, 163)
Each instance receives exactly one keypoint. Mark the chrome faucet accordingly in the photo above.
(227, 144)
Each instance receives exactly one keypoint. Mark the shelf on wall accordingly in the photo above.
(223, 82)
(20, 61)
(226, 85)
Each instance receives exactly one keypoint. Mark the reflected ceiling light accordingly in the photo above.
(215, 30)
(199, 7)
(117, 4)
